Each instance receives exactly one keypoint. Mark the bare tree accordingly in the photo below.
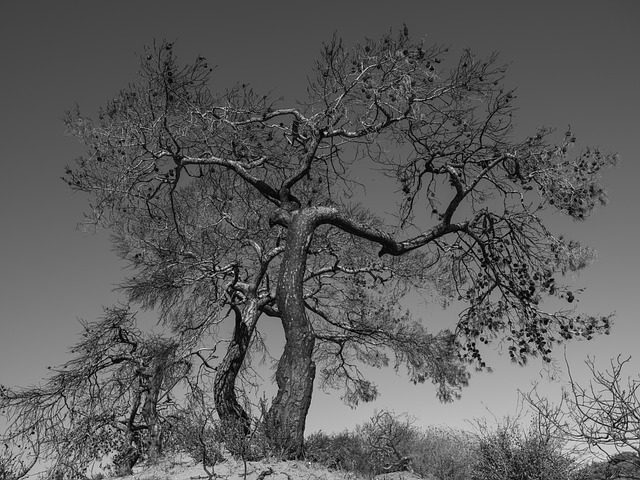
(604, 415)
(232, 202)
(111, 398)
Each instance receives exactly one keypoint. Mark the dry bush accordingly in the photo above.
(510, 453)
(388, 440)
(445, 453)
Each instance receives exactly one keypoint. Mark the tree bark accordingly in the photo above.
(230, 412)
(296, 369)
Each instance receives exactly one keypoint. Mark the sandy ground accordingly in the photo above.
(184, 468)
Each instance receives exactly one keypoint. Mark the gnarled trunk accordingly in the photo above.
(230, 412)
(296, 369)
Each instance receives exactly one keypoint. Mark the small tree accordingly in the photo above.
(238, 202)
(111, 398)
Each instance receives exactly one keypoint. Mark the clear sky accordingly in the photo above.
(573, 62)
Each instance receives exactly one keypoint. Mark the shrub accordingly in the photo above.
(341, 451)
(508, 453)
(593, 471)
(621, 465)
(388, 443)
(388, 440)
(444, 453)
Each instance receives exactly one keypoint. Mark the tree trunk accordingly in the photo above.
(230, 412)
(149, 409)
(296, 369)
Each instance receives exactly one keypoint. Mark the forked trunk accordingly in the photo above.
(296, 369)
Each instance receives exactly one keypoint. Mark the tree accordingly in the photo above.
(232, 202)
(113, 397)
(603, 415)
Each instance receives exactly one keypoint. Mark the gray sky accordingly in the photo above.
(573, 62)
